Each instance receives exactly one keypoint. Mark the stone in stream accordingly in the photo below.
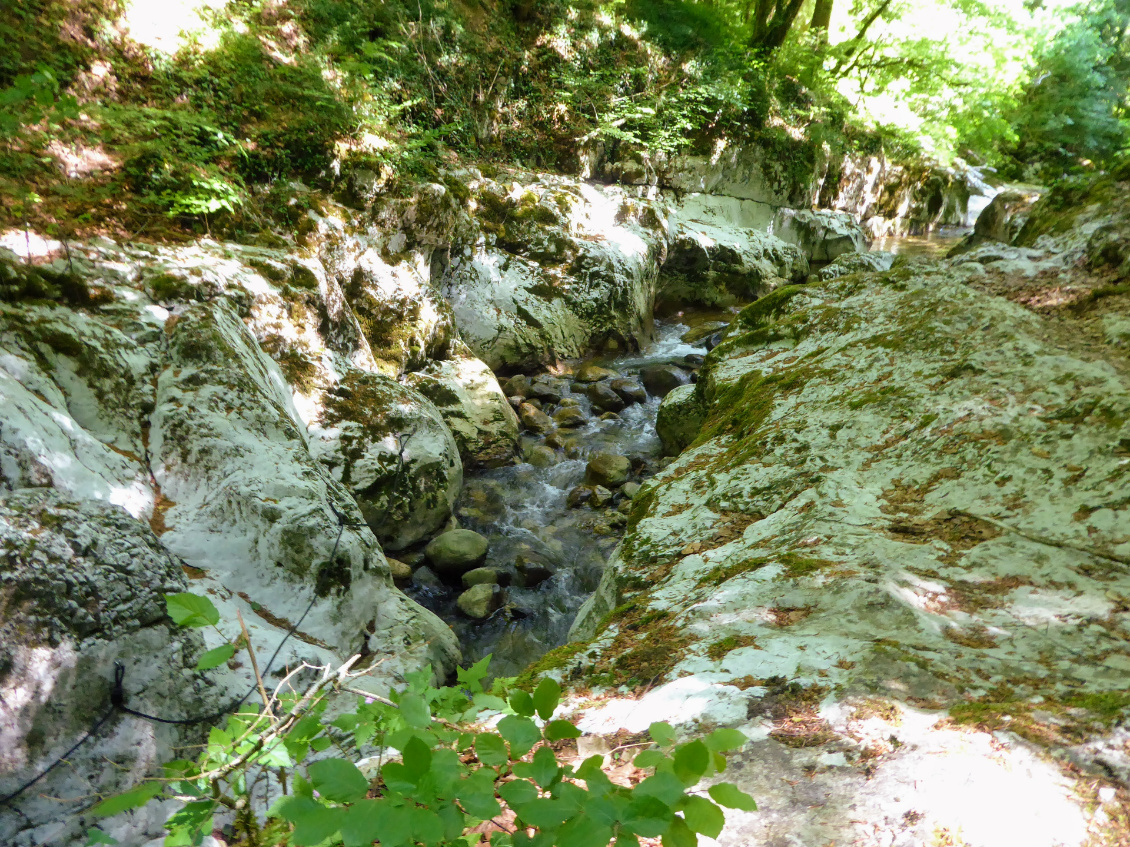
(601, 497)
(629, 389)
(541, 456)
(485, 576)
(517, 386)
(400, 570)
(702, 331)
(531, 573)
(680, 418)
(604, 397)
(660, 379)
(694, 360)
(425, 577)
(515, 401)
(578, 496)
(534, 419)
(630, 490)
(456, 551)
(570, 416)
(546, 391)
(480, 601)
(590, 372)
(610, 416)
(555, 440)
(608, 469)
(570, 402)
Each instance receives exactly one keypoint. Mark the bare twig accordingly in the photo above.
(254, 664)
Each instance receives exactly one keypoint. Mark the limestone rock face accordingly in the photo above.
(390, 447)
(853, 263)
(904, 489)
(822, 235)
(83, 587)
(563, 266)
(472, 404)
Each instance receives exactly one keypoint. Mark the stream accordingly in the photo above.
(523, 511)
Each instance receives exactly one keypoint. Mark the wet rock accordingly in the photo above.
(694, 360)
(400, 570)
(515, 401)
(532, 572)
(546, 391)
(413, 558)
(601, 497)
(629, 389)
(604, 397)
(574, 402)
(608, 469)
(679, 420)
(474, 408)
(541, 456)
(578, 496)
(702, 331)
(852, 263)
(534, 419)
(424, 577)
(569, 417)
(630, 489)
(457, 551)
(610, 416)
(480, 601)
(517, 386)
(555, 440)
(482, 576)
(590, 372)
(660, 379)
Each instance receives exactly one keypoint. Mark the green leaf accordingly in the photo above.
(665, 787)
(491, 749)
(647, 816)
(313, 822)
(545, 813)
(732, 797)
(189, 824)
(417, 758)
(522, 733)
(426, 826)
(543, 769)
(96, 836)
(361, 822)
(320, 743)
(215, 657)
(556, 730)
(546, 697)
(191, 610)
(583, 831)
(703, 816)
(522, 703)
(648, 758)
(476, 793)
(722, 740)
(472, 677)
(127, 800)
(415, 711)
(679, 835)
(590, 767)
(692, 760)
(337, 780)
(663, 733)
(517, 793)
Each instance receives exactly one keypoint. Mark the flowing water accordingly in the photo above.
(522, 510)
(934, 245)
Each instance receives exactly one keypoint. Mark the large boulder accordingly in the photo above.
(822, 235)
(472, 404)
(390, 447)
(608, 469)
(83, 586)
(679, 419)
(854, 263)
(904, 515)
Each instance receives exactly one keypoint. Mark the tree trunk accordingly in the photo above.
(822, 17)
(770, 30)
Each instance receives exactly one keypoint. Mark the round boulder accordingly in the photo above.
(659, 380)
(605, 398)
(590, 372)
(457, 551)
(570, 416)
(629, 389)
(480, 601)
(608, 469)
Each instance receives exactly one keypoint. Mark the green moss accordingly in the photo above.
(769, 308)
(801, 566)
(722, 573)
(720, 649)
(556, 659)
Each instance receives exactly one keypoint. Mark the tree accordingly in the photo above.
(771, 21)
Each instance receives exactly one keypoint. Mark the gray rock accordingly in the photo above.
(535, 420)
(571, 401)
(608, 469)
(630, 489)
(660, 379)
(604, 397)
(481, 576)
(531, 572)
(548, 391)
(590, 372)
(541, 456)
(601, 497)
(702, 331)
(853, 263)
(480, 601)
(680, 418)
(629, 389)
(425, 577)
(457, 551)
(517, 386)
(578, 496)
(570, 416)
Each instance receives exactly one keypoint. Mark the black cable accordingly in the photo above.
(8, 798)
